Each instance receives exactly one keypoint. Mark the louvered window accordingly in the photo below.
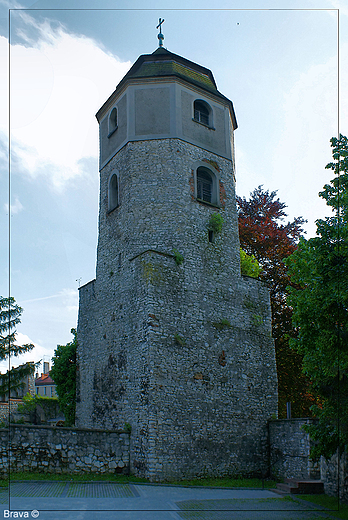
(201, 112)
(204, 185)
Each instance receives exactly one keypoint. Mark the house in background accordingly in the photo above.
(9, 401)
(26, 385)
(44, 385)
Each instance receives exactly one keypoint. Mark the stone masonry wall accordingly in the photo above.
(181, 352)
(334, 474)
(5, 410)
(63, 450)
(289, 450)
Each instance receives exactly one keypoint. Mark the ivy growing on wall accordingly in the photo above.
(215, 223)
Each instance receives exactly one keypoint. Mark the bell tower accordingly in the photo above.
(172, 338)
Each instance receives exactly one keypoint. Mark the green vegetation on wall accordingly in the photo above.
(215, 223)
(179, 340)
(222, 324)
(249, 266)
(178, 257)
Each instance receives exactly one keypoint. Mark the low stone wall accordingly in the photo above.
(63, 450)
(289, 450)
(334, 474)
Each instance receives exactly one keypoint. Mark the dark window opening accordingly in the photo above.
(113, 193)
(204, 185)
(211, 235)
(112, 121)
(201, 112)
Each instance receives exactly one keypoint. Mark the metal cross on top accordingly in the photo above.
(160, 35)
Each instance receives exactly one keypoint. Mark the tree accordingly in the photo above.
(63, 373)
(319, 268)
(10, 314)
(264, 236)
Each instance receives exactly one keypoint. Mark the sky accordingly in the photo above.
(283, 69)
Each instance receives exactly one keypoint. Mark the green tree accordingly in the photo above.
(63, 373)
(10, 314)
(264, 236)
(319, 267)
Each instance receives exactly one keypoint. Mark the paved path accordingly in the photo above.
(104, 500)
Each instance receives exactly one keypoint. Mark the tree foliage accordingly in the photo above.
(32, 405)
(63, 373)
(319, 268)
(264, 236)
(249, 266)
(10, 314)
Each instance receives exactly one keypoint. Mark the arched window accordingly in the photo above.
(205, 185)
(113, 192)
(201, 111)
(113, 121)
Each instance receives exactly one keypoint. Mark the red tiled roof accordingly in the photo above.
(44, 380)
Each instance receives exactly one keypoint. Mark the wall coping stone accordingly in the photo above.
(298, 419)
(61, 428)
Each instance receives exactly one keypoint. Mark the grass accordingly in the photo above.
(228, 482)
(112, 477)
(83, 477)
(328, 502)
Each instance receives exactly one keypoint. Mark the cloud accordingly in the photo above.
(68, 297)
(34, 355)
(15, 208)
(310, 115)
(58, 82)
(60, 308)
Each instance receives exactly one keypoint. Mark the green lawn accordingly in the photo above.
(112, 477)
(228, 482)
(83, 477)
(337, 510)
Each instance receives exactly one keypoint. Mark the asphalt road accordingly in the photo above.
(105, 500)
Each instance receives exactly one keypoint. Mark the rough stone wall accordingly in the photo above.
(334, 474)
(290, 448)
(5, 410)
(63, 450)
(181, 352)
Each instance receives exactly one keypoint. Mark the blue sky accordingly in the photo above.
(278, 66)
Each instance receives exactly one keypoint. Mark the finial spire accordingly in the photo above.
(160, 35)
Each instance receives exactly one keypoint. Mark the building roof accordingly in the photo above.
(44, 380)
(166, 63)
(163, 63)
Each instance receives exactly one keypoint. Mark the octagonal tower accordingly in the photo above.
(172, 338)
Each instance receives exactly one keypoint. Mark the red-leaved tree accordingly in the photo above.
(263, 234)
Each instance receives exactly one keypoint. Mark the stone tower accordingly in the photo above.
(172, 339)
